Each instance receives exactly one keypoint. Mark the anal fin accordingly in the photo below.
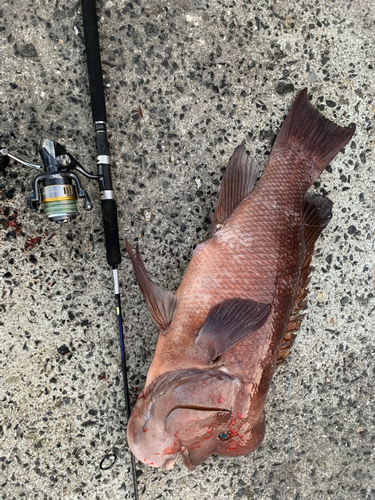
(317, 212)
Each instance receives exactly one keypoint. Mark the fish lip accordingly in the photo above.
(169, 463)
(171, 380)
(186, 458)
(189, 464)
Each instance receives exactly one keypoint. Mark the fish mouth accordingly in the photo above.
(187, 460)
(189, 447)
(168, 465)
(191, 463)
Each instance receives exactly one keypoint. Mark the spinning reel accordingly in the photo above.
(60, 186)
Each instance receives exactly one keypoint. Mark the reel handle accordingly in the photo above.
(5, 157)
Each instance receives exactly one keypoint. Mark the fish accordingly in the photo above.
(240, 303)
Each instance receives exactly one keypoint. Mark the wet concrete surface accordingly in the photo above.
(186, 82)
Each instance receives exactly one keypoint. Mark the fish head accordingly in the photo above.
(196, 413)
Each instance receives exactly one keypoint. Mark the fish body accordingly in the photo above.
(235, 312)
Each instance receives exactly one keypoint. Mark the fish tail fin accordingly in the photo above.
(308, 131)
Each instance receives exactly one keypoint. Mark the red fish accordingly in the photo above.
(235, 314)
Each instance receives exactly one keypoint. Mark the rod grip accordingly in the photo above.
(94, 65)
(112, 241)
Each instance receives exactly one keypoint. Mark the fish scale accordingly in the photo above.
(237, 263)
(222, 333)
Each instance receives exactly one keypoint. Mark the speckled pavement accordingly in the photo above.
(206, 77)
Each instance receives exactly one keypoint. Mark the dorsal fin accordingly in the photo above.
(317, 212)
(161, 303)
(238, 181)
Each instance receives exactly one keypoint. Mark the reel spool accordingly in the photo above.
(58, 187)
(59, 195)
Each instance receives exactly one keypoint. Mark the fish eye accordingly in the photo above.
(224, 436)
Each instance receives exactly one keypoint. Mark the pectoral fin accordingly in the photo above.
(228, 323)
(161, 303)
(238, 181)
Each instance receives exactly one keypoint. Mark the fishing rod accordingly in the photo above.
(109, 210)
(57, 186)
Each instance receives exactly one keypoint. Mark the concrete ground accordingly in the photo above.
(207, 77)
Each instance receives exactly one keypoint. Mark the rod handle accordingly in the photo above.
(112, 241)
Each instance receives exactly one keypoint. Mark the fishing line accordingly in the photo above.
(109, 457)
(289, 418)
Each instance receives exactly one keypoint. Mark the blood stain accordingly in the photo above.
(32, 242)
(169, 450)
(12, 222)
